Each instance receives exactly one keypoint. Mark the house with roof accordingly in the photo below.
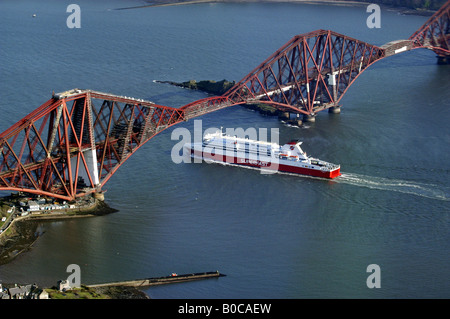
(19, 292)
(63, 285)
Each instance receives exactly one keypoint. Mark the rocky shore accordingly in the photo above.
(33, 291)
(121, 292)
(21, 236)
(210, 86)
(85, 292)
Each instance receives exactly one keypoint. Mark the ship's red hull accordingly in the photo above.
(267, 165)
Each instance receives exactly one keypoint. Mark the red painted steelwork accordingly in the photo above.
(308, 74)
(71, 145)
(435, 33)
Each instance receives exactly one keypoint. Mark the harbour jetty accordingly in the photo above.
(171, 279)
(114, 290)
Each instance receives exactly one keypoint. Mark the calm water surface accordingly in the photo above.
(275, 236)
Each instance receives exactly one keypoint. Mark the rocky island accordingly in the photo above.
(218, 88)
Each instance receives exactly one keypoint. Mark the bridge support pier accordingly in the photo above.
(309, 118)
(296, 121)
(284, 116)
(443, 59)
(335, 109)
(99, 195)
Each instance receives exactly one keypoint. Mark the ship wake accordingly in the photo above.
(432, 191)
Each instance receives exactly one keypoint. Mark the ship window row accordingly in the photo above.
(246, 149)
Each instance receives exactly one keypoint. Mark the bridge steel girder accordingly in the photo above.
(206, 105)
(313, 71)
(435, 33)
(308, 74)
(71, 145)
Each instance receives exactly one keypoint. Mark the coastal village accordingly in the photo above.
(129, 289)
(23, 292)
(33, 291)
(20, 211)
(63, 290)
(23, 206)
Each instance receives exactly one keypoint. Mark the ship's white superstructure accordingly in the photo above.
(266, 155)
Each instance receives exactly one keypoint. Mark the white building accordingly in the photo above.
(63, 285)
(33, 206)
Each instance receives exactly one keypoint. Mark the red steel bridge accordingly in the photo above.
(71, 145)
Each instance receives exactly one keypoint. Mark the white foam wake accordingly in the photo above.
(432, 191)
(396, 185)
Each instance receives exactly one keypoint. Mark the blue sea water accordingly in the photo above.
(274, 236)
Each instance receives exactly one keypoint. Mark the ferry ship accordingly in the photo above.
(289, 158)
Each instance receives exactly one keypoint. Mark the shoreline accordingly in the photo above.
(402, 10)
(24, 231)
(128, 289)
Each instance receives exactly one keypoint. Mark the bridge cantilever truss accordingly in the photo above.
(310, 73)
(313, 71)
(71, 145)
(435, 33)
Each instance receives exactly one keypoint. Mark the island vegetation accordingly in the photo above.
(208, 86)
